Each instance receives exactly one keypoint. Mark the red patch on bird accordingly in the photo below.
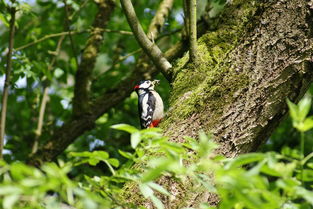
(154, 123)
(136, 87)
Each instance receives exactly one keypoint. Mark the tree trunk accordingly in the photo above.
(260, 54)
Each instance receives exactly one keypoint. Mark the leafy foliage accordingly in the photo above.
(254, 180)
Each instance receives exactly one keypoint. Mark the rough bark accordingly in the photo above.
(260, 54)
(85, 68)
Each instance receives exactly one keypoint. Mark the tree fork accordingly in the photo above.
(148, 46)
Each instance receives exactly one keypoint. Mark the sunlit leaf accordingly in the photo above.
(304, 107)
(125, 127)
(245, 159)
(157, 202)
(146, 191)
(293, 110)
(158, 188)
(114, 162)
(10, 200)
(135, 139)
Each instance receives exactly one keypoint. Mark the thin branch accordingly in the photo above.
(48, 37)
(77, 11)
(7, 79)
(159, 19)
(45, 98)
(85, 68)
(193, 30)
(122, 58)
(68, 25)
(148, 46)
(122, 32)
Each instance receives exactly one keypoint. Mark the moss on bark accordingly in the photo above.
(259, 54)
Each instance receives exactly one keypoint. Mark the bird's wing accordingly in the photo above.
(148, 107)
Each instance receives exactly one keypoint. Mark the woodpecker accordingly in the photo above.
(150, 104)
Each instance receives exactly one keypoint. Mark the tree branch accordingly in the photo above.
(159, 19)
(45, 98)
(7, 79)
(83, 74)
(123, 32)
(47, 37)
(148, 46)
(193, 30)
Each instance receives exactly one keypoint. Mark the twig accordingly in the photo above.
(68, 24)
(77, 11)
(149, 47)
(45, 98)
(129, 55)
(193, 30)
(7, 79)
(67, 33)
(48, 37)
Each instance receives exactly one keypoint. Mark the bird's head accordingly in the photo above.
(146, 85)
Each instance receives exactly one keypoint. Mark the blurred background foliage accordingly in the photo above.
(41, 18)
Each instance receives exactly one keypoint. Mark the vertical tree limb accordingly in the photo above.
(193, 30)
(85, 68)
(148, 46)
(7, 79)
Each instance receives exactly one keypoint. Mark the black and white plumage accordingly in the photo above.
(150, 104)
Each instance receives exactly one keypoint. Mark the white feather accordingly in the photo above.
(159, 107)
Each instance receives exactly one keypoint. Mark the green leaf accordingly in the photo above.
(125, 127)
(157, 202)
(158, 188)
(306, 125)
(307, 195)
(245, 159)
(146, 190)
(102, 155)
(304, 107)
(160, 165)
(293, 110)
(114, 162)
(80, 154)
(9, 201)
(127, 155)
(4, 20)
(93, 161)
(6, 190)
(135, 139)
(307, 175)
(269, 171)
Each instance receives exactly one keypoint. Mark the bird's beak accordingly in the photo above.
(156, 82)
(136, 87)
